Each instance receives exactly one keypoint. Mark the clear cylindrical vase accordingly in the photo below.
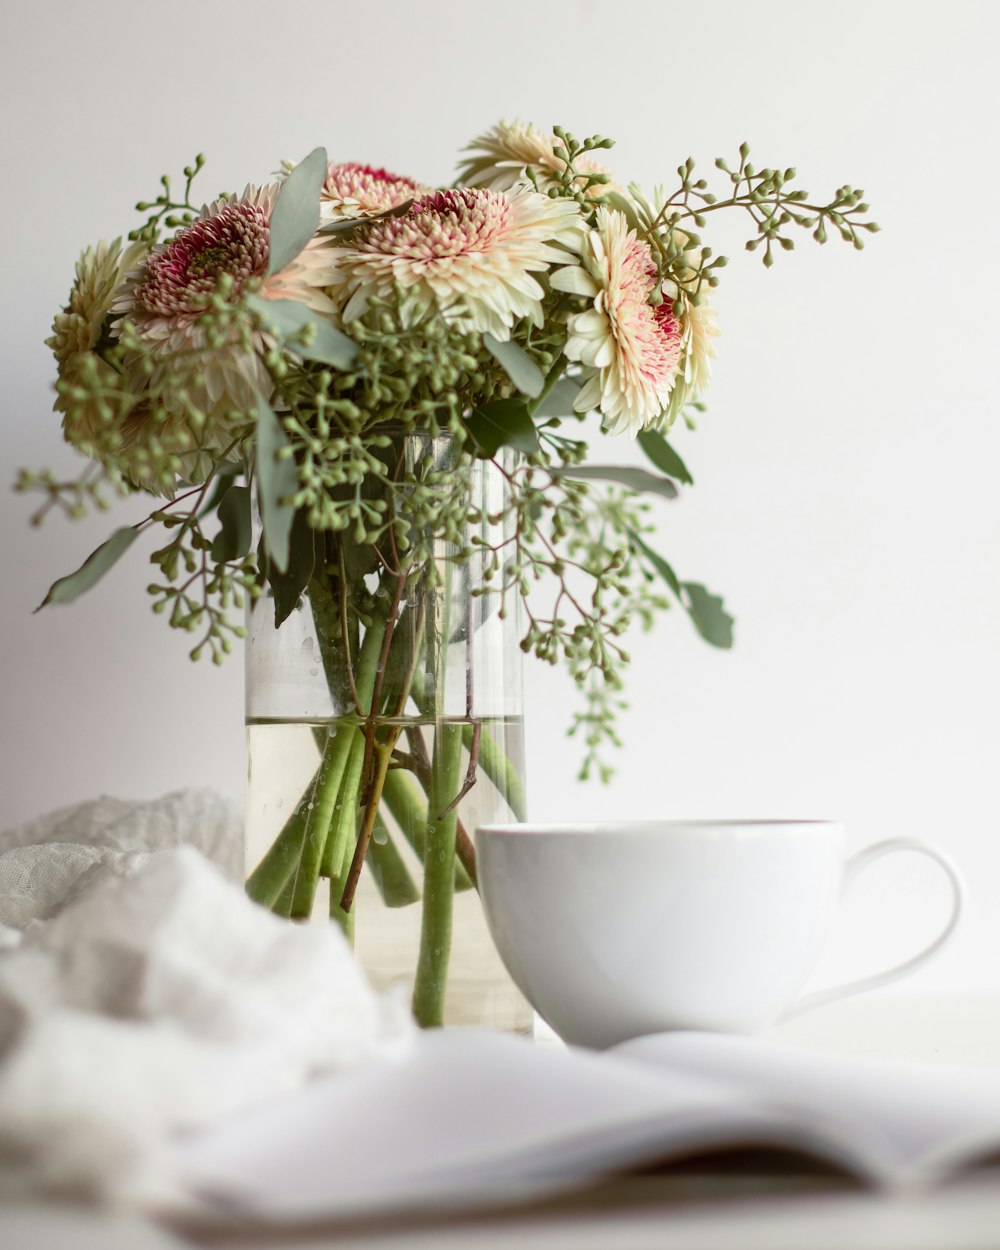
(384, 723)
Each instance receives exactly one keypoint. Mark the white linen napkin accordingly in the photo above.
(143, 994)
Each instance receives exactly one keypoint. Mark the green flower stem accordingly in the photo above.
(282, 905)
(317, 830)
(272, 875)
(439, 878)
(331, 774)
(343, 831)
(391, 876)
(333, 647)
(409, 809)
(465, 862)
(495, 764)
(344, 828)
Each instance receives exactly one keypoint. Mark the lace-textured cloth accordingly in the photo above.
(143, 995)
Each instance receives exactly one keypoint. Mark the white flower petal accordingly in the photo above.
(589, 396)
(574, 281)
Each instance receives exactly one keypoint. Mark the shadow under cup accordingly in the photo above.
(617, 930)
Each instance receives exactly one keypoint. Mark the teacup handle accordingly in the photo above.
(855, 865)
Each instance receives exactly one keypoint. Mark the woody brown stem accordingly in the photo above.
(384, 752)
(470, 775)
(466, 853)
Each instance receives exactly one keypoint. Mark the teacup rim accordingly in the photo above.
(649, 826)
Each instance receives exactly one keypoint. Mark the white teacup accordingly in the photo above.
(616, 930)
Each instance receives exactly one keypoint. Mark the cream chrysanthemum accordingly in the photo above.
(499, 159)
(471, 252)
(89, 421)
(355, 190)
(630, 350)
(165, 297)
(696, 317)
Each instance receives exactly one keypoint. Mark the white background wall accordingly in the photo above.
(846, 498)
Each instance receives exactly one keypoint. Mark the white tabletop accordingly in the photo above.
(750, 1205)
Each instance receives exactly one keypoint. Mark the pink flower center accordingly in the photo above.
(373, 190)
(444, 223)
(183, 273)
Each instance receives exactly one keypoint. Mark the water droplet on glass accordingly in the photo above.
(380, 836)
(313, 672)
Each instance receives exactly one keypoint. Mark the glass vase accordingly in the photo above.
(384, 723)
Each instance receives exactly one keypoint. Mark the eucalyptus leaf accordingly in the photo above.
(503, 423)
(634, 479)
(223, 481)
(73, 585)
(329, 346)
(233, 540)
(559, 401)
(276, 480)
(663, 456)
(288, 585)
(295, 216)
(517, 364)
(350, 224)
(706, 610)
(346, 226)
(659, 564)
(710, 618)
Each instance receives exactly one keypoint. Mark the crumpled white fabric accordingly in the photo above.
(45, 862)
(142, 994)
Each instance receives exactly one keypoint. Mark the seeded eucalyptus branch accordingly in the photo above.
(72, 497)
(167, 211)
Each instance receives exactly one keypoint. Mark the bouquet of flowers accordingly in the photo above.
(315, 379)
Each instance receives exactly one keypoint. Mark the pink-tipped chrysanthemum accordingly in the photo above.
(354, 190)
(470, 252)
(630, 349)
(695, 313)
(500, 158)
(167, 294)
